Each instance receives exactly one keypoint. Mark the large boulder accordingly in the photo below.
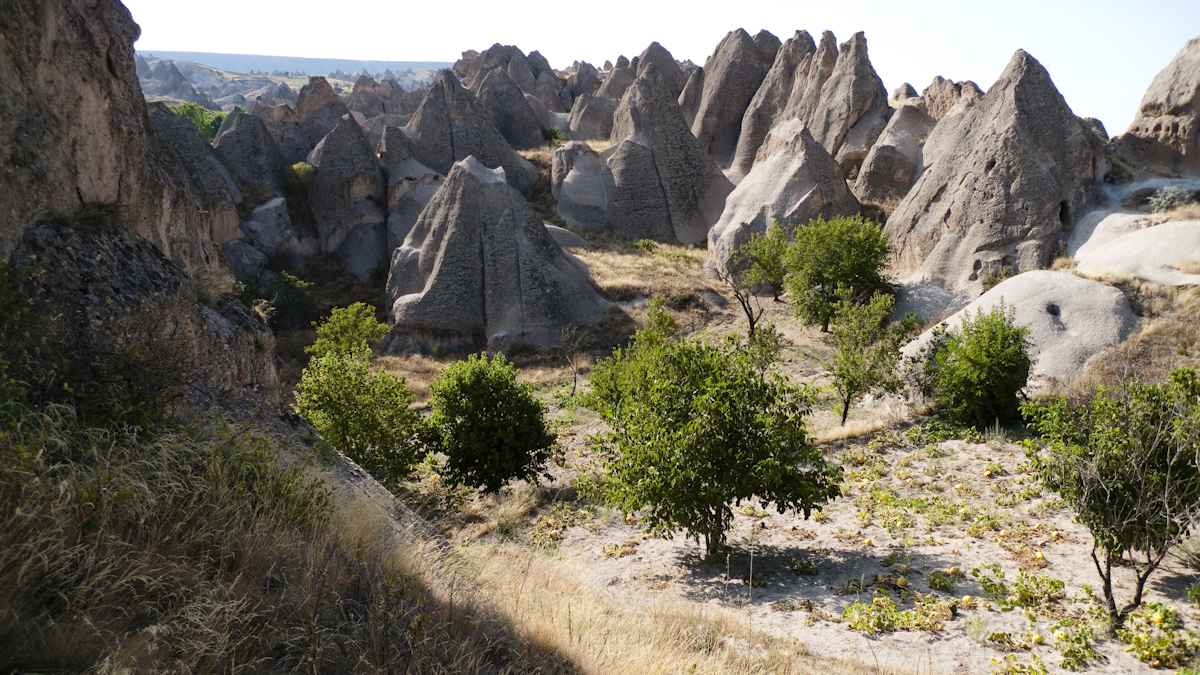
(895, 162)
(659, 182)
(1011, 173)
(281, 123)
(209, 179)
(770, 102)
(480, 270)
(365, 98)
(450, 126)
(577, 183)
(592, 118)
(75, 134)
(347, 198)
(247, 149)
(793, 181)
(585, 80)
(732, 76)
(269, 230)
(1069, 319)
(1167, 254)
(410, 184)
(1166, 131)
(505, 105)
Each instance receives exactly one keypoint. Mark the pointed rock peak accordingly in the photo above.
(476, 169)
(395, 146)
(622, 62)
(665, 65)
(314, 96)
(364, 82)
(903, 92)
(1029, 80)
(766, 42)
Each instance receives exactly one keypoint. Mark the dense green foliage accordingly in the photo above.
(868, 348)
(491, 428)
(348, 330)
(695, 427)
(764, 257)
(1170, 197)
(207, 122)
(827, 255)
(364, 415)
(982, 367)
(1126, 462)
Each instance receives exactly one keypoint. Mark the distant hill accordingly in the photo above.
(245, 63)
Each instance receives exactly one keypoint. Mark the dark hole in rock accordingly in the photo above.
(1053, 309)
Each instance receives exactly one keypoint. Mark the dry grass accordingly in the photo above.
(417, 370)
(1064, 264)
(1191, 266)
(1164, 343)
(1190, 211)
(1146, 299)
(855, 429)
(623, 272)
(213, 287)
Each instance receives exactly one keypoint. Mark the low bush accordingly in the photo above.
(982, 368)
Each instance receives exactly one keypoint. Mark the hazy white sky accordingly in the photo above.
(1101, 54)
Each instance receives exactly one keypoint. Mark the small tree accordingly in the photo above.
(982, 367)
(1126, 462)
(827, 255)
(491, 428)
(695, 427)
(868, 348)
(347, 331)
(764, 257)
(745, 297)
(363, 415)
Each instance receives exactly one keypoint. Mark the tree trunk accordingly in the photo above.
(845, 410)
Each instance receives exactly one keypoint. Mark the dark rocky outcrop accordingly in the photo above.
(732, 76)
(479, 270)
(1009, 175)
(585, 80)
(547, 90)
(618, 80)
(209, 179)
(410, 184)
(505, 105)
(365, 98)
(1166, 131)
(449, 126)
(770, 102)
(249, 152)
(794, 180)
(896, 160)
(318, 109)
(347, 198)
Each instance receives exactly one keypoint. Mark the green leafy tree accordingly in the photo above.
(844, 251)
(764, 257)
(982, 367)
(207, 122)
(695, 428)
(868, 348)
(491, 428)
(1126, 462)
(364, 415)
(348, 330)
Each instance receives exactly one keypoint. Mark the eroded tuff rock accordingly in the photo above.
(577, 183)
(942, 95)
(347, 198)
(249, 152)
(732, 76)
(318, 109)
(1010, 174)
(281, 123)
(665, 65)
(618, 80)
(689, 98)
(449, 126)
(410, 184)
(209, 179)
(75, 133)
(479, 270)
(771, 100)
(364, 98)
(505, 105)
(659, 182)
(592, 117)
(1070, 319)
(896, 160)
(1166, 132)
(794, 180)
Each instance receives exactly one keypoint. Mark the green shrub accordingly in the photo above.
(364, 416)
(207, 122)
(1126, 463)
(695, 427)
(299, 177)
(491, 429)
(553, 135)
(348, 330)
(647, 245)
(868, 348)
(826, 255)
(764, 257)
(1169, 197)
(982, 367)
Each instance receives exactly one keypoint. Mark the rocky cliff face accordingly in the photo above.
(92, 195)
(1166, 131)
